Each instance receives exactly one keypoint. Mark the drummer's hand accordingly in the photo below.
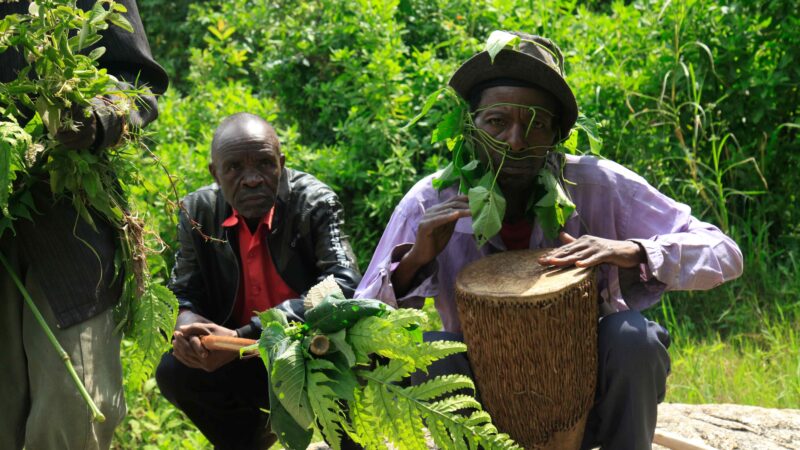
(436, 228)
(588, 251)
(434, 232)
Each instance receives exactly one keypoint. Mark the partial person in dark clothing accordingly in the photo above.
(68, 268)
(258, 238)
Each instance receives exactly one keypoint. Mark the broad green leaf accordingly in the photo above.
(14, 142)
(287, 378)
(290, 434)
(571, 143)
(273, 315)
(340, 344)
(488, 208)
(497, 41)
(97, 14)
(589, 128)
(554, 208)
(271, 334)
(449, 127)
(82, 35)
(50, 115)
(447, 178)
(120, 21)
(97, 53)
(429, 102)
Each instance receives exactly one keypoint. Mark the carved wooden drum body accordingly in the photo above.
(531, 334)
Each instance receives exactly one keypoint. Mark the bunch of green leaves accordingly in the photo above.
(53, 92)
(59, 79)
(356, 388)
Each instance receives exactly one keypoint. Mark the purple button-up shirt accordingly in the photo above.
(683, 253)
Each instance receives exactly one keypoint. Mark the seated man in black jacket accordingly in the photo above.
(261, 235)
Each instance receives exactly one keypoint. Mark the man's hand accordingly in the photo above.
(434, 232)
(436, 229)
(588, 251)
(186, 346)
(84, 134)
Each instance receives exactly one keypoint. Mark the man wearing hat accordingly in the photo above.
(644, 243)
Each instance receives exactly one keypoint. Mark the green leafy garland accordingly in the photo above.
(342, 372)
(60, 81)
(487, 203)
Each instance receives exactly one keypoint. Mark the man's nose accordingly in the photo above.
(516, 138)
(252, 178)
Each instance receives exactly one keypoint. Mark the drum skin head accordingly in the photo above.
(518, 274)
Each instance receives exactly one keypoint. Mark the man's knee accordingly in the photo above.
(629, 342)
(172, 377)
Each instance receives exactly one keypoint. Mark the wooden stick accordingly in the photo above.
(225, 342)
(675, 442)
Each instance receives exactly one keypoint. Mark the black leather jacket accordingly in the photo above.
(306, 244)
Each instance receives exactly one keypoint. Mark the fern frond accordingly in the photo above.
(380, 336)
(449, 429)
(153, 316)
(324, 402)
(396, 416)
(455, 403)
(366, 424)
(440, 386)
(428, 352)
(392, 372)
(404, 317)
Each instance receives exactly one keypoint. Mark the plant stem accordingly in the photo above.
(96, 414)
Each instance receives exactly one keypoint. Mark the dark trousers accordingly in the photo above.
(633, 364)
(226, 405)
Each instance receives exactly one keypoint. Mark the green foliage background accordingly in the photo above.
(700, 97)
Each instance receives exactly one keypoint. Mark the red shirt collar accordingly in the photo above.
(235, 218)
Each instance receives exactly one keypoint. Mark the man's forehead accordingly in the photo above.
(245, 136)
(506, 106)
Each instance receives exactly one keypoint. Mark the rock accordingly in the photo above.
(729, 427)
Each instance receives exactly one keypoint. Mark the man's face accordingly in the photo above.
(247, 163)
(521, 121)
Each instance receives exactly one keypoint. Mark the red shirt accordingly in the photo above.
(517, 235)
(261, 286)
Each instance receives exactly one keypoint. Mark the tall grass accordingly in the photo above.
(757, 363)
(739, 343)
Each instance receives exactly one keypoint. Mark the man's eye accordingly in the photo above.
(265, 163)
(537, 124)
(234, 167)
(496, 122)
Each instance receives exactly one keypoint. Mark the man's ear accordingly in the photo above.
(283, 160)
(213, 171)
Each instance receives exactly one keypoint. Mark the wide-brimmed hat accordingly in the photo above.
(536, 60)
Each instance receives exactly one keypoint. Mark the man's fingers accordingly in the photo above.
(197, 347)
(590, 261)
(443, 218)
(566, 238)
(195, 329)
(183, 353)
